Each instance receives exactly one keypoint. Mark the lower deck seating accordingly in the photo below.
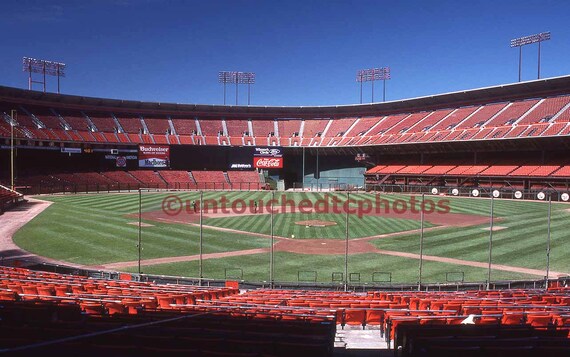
(211, 180)
(125, 317)
(133, 179)
(72, 315)
(8, 197)
(480, 340)
(177, 179)
(149, 177)
(244, 180)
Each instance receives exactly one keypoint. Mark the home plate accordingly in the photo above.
(495, 228)
(142, 224)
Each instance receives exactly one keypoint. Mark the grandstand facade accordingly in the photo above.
(512, 137)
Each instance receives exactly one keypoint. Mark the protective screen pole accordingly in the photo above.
(271, 250)
(303, 168)
(490, 243)
(200, 266)
(421, 243)
(548, 240)
(140, 231)
(346, 243)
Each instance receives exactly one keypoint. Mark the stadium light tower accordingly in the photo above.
(226, 77)
(371, 75)
(527, 40)
(246, 78)
(237, 78)
(32, 65)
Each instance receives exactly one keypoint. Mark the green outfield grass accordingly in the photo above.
(94, 229)
(520, 241)
(255, 267)
(286, 227)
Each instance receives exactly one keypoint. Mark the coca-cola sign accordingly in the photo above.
(268, 162)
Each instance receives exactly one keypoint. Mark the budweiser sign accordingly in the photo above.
(268, 162)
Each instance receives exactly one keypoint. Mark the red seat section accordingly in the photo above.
(512, 113)
(157, 125)
(177, 179)
(244, 180)
(8, 197)
(148, 177)
(237, 128)
(211, 127)
(481, 116)
(103, 122)
(185, 126)
(122, 177)
(339, 127)
(314, 127)
(210, 180)
(449, 120)
(131, 124)
(546, 110)
(289, 128)
(263, 128)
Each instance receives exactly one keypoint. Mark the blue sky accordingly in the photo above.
(303, 52)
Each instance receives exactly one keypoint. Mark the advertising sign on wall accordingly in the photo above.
(154, 156)
(268, 162)
(268, 158)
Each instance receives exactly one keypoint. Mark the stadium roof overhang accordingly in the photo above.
(516, 91)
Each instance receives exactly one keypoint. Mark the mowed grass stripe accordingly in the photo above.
(288, 265)
(114, 199)
(522, 243)
(106, 201)
(103, 236)
(284, 225)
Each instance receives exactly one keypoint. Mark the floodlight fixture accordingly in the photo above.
(527, 40)
(237, 78)
(371, 75)
(33, 65)
(227, 77)
(246, 78)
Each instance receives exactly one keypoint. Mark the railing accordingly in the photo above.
(37, 264)
(326, 186)
(503, 192)
(129, 187)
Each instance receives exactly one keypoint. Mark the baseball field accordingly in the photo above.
(311, 234)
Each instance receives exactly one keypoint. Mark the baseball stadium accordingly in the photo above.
(428, 226)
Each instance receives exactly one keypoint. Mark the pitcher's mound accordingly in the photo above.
(315, 223)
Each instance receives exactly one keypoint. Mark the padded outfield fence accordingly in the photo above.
(554, 193)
